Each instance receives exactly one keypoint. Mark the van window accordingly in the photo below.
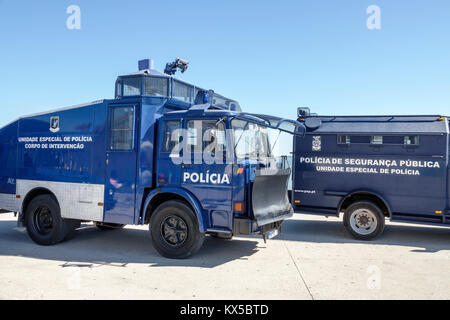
(411, 140)
(343, 139)
(376, 140)
(122, 120)
(393, 140)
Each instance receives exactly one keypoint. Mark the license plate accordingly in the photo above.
(273, 233)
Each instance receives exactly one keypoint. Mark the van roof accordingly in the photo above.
(409, 124)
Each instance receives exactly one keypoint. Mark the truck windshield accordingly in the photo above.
(251, 140)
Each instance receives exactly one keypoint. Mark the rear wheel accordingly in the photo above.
(44, 223)
(364, 220)
(174, 230)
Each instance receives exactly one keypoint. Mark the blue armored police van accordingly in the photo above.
(371, 168)
(164, 152)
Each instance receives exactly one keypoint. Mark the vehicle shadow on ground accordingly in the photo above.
(424, 238)
(92, 248)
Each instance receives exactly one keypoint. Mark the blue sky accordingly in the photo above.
(272, 56)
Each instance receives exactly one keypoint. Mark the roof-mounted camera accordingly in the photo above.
(172, 67)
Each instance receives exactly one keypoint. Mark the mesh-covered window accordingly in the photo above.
(156, 87)
(359, 139)
(411, 140)
(118, 88)
(343, 139)
(122, 119)
(376, 140)
(132, 87)
(181, 91)
(393, 139)
(170, 137)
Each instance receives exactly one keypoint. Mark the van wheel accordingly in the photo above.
(364, 220)
(44, 223)
(174, 230)
(109, 226)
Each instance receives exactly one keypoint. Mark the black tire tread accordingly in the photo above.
(62, 227)
(196, 237)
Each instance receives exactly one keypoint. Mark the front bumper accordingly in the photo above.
(270, 201)
(250, 227)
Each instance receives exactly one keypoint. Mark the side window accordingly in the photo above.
(168, 142)
(181, 91)
(118, 88)
(379, 140)
(411, 140)
(343, 139)
(376, 140)
(122, 127)
(156, 87)
(132, 87)
(204, 134)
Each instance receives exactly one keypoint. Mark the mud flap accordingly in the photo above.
(270, 202)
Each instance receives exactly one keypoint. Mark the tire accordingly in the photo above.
(364, 220)
(222, 236)
(44, 223)
(109, 226)
(175, 231)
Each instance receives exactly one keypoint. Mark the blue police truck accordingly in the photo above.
(119, 161)
(373, 167)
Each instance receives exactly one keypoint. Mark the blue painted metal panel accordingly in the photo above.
(413, 179)
(189, 197)
(64, 154)
(8, 158)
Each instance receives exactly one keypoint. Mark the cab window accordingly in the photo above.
(169, 141)
(206, 135)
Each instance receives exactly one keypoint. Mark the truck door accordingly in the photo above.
(120, 184)
(208, 176)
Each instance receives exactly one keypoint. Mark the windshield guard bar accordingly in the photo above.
(285, 125)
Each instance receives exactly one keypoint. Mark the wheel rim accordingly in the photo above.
(363, 221)
(43, 220)
(174, 231)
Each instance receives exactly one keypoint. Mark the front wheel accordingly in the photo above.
(174, 230)
(364, 220)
